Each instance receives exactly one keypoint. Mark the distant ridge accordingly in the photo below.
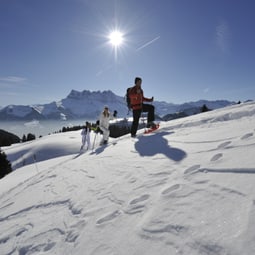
(89, 104)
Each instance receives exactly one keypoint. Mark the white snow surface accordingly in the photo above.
(187, 188)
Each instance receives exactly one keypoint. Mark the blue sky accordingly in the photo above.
(184, 50)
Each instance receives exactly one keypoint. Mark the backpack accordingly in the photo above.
(128, 99)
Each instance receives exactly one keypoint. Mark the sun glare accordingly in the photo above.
(116, 38)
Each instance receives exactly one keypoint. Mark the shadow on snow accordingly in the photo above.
(99, 150)
(155, 143)
(233, 171)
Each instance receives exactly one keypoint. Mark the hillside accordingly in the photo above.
(7, 138)
(186, 189)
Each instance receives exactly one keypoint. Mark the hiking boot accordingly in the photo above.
(103, 142)
(151, 125)
(133, 136)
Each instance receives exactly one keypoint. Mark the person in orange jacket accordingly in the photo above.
(136, 100)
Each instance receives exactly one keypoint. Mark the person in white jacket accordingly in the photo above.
(104, 122)
(85, 134)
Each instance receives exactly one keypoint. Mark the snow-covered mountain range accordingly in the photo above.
(187, 189)
(87, 104)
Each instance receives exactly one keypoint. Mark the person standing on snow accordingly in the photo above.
(104, 120)
(137, 105)
(85, 134)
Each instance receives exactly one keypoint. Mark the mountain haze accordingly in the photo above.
(89, 104)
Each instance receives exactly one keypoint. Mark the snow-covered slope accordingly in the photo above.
(186, 189)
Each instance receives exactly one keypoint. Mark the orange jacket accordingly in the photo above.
(137, 98)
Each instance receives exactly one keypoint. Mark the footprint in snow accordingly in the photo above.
(216, 157)
(135, 209)
(223, 145)
(192, 169)
(170, 189)
(140, 199)
(246, 136)
(108, 217)
(136, 205)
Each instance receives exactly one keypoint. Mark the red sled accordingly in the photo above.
(150, 130)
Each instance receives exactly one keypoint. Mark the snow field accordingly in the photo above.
(188, 188)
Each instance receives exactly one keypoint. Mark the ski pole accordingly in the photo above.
(94, 141)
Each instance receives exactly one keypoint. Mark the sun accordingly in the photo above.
(116, 38)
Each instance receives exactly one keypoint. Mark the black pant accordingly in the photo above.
(137, 114)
